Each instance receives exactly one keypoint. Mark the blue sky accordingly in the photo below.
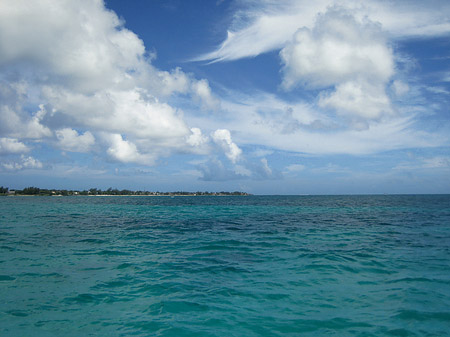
(269, 97)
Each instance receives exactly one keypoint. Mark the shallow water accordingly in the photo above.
(225, 266)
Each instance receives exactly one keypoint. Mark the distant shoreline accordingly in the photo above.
(129, 195)
(110, 192)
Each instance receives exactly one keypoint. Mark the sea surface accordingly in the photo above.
(225, 266)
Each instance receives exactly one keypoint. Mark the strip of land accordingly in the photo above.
(109, 192)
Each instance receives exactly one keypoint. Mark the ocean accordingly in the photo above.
(225, 266)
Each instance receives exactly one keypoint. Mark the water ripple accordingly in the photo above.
(229, 266)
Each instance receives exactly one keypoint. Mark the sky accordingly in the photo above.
(267, 97)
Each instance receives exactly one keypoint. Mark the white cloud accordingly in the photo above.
(242, 171)
(446, 76)
(31, 163)
(177, 81)
(198, 142)
(174, 81)
(438, 90)
(293, 168)
(262, 171)
(262, 152)
(423, 163)
(71, 140)
(341, 52)
(436, 162)
(125, 151)
(222, 137)
(72, 65)
(400, 88)
(358, 98)
(133, 111)
(202, 91)
(258, 120)
(271, 26)
(11, 145)
(14, 120)
(80, 42)
(215, 170)
(25, 162)
(268, 25)
(337, 49)
(265, 167)
(86, 71)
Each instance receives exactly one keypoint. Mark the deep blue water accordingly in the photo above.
(225, 266)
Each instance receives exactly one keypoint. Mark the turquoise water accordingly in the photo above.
(225, 266)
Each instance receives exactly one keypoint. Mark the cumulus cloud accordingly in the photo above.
(341, 52)
(125, 151)
(131, 111)
(14, 120)
(202, 91)
(263, 26)
(358, 98)
(87, 75)
(80, 42)
(174, 81)
(73, 76)
(24, 162)
(335, 50)
(215, 170)
(198, 142)
(222, 137)
(71, 140)
(11, 145)
(177, 81)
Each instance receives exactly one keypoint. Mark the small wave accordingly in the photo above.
(112, 284)
(17, 313)
(94, 299)
(320, 267)
(83, 298)
(112, 253)
(6, 278)
(310, 325)
(378, 271)
(224, 245)
(43, 323)
(55, 275)
(127, 265)
(8, 248)
(418, 279)
(350, 269)
(92, 268)
(99, 241)
(422, 316)
(174, 307)
(400, 332)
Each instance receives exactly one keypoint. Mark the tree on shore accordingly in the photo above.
(31, 190)
(110, 191)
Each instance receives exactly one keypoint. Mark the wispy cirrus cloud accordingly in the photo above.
(342, 53)
(268, 25)
(265, 120)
